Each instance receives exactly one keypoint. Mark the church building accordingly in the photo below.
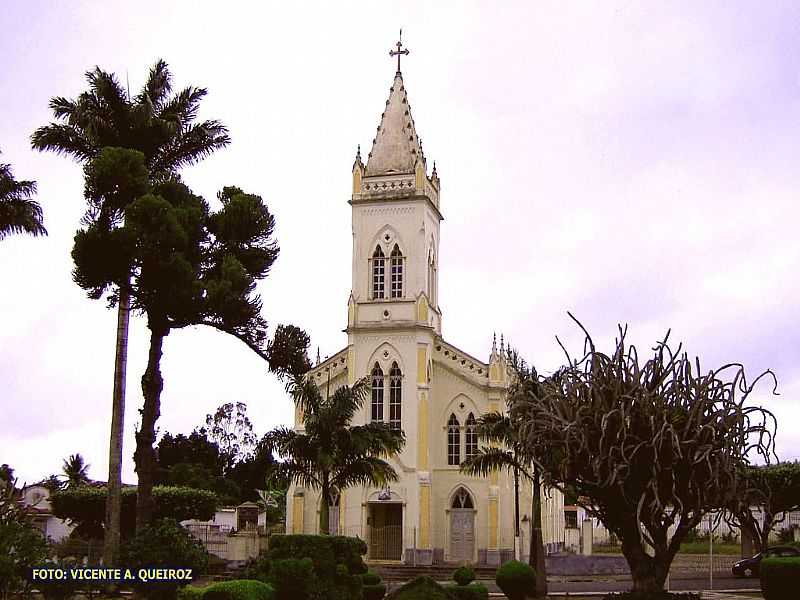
(422, 384)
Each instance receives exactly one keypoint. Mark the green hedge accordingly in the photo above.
(85, 506)
(473, 591)
(375, 591)
(336, 565)
(516, 579)
(780, 578)
(237, 589)
(464, 575)
(421, 588)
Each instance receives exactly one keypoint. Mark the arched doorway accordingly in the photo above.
(333, 514)
(462, 526)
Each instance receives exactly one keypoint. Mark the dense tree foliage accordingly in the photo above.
(771, 492)
(19, 212)
(162, 127)
(84, 507)
(331, 455)
(182, 265)
(653, 446)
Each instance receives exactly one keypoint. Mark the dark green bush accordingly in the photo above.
(464, 575)
(375, 591)
(473, 591)
(237, 589)
(371, 578)
(293, 578)
(780, 577)
(421, 588)
(337, 563)
(163, 543)
(516, 579)
(59, 589)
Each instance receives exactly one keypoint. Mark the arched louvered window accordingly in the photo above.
(431, 278)
(471, 437)
(453, 441)
(397, 272)
(395, 397)
(462, 499)
(378, 273)
(377, 394)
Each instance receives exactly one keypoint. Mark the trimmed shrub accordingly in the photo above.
(337, 563)
(516, 579)
(421, 588)
(237, 589)
(373, 588)
(780, 577)
(373, 591)
(473, 591)
(293, 578)
(464, 575)
(163, 543)
(371, 578)
(59, 589)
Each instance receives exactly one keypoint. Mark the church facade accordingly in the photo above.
(421, 383)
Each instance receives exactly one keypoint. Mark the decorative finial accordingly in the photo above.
(358, 154)
(494, 342)
(317, 354)
(434, 169)
(399, 51)
(502, 344)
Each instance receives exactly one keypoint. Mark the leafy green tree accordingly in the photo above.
(182, 265)
(163, 127)
(75, 471)
(230, 429)
(195, 449)
(19, 212)
(252, 472)
(772, 491)
(21, 544)
(6, 476)
(332, 455)
(652, 446)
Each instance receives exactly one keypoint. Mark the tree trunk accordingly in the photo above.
(516, 514)
(536, 551)
(114, 487)
(144, 457)
(324, 510)
(649, 573)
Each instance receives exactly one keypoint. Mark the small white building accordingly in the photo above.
(36, 498)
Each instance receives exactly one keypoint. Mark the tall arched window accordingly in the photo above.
(431, 278)
(453, 441)
(471, 437)
(378, 273)
(462, 499)
(377, 393)
(395, 397)
(397, 272)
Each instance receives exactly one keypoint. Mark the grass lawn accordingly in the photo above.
(686, 548)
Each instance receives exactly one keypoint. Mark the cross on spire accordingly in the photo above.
(400, 50)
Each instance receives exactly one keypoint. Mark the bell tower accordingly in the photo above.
(395, 221)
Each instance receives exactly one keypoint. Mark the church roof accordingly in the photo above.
(396, 146)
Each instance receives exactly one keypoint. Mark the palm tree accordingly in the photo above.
(506, 452)
(332, 455)
(75, 471)
(162, 126)
(19, 213)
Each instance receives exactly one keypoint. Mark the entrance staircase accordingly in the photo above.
(397, 572)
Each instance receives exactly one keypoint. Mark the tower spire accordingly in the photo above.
(400, 51)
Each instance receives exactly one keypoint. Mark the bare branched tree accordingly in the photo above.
(653, 446)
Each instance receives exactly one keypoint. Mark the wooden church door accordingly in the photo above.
(462, 527)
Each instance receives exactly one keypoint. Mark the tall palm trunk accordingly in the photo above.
(144, 457)
(536, 552)
(324, 509)
(114, 496)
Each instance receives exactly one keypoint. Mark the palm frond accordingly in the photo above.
(192, 145)
(64, 139)
(366, 470)
(488, 460)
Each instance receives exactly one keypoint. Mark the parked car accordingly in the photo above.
(749, 566)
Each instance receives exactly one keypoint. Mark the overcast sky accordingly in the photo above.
(630, 162)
